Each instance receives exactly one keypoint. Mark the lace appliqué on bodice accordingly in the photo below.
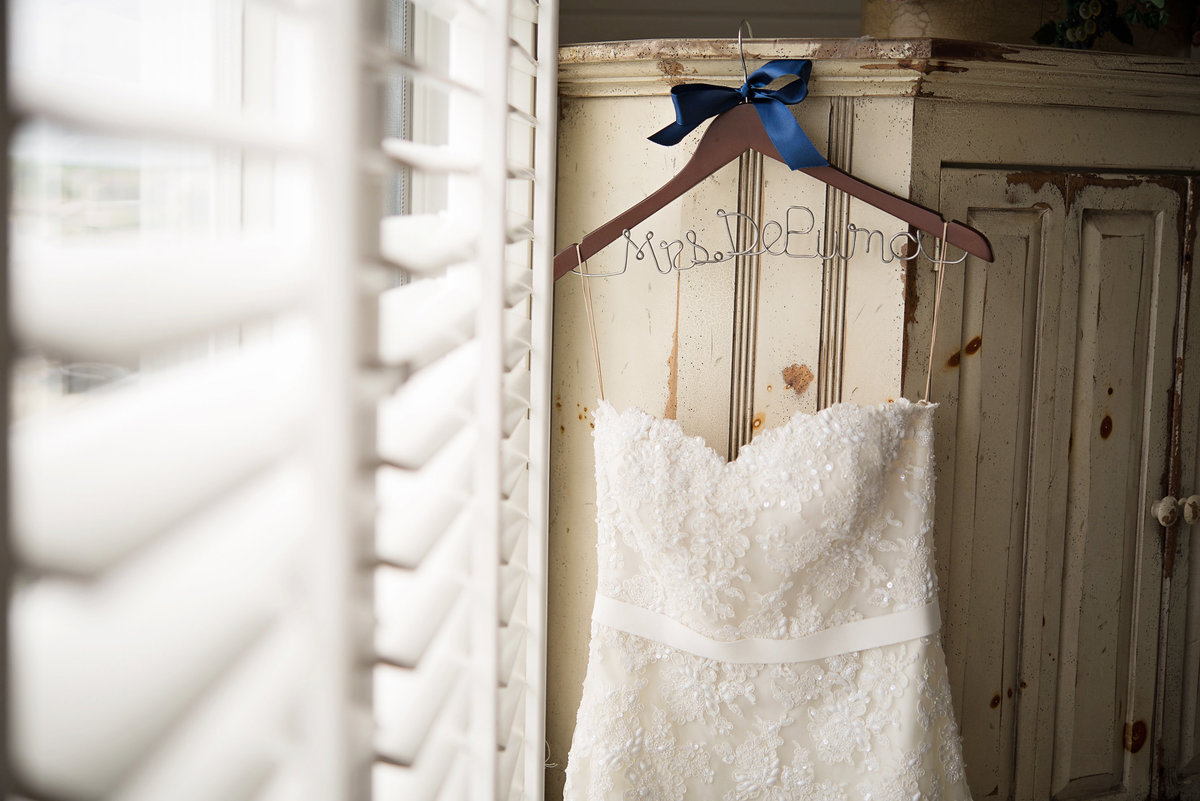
(818, 524)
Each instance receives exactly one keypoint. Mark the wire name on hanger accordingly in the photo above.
(775, 239)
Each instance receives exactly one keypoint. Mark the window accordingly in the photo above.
(280, 286)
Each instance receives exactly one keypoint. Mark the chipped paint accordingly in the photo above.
(923, 66)
(1135, 736)
(798, 377)
(673, 71)
(1035, 180)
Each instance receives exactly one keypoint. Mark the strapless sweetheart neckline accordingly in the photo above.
(798, 420)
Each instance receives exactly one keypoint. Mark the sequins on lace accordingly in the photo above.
(821, 522)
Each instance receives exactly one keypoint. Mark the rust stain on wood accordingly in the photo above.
(672, 70)
(995, 701)
(976, 51)
(798, 377)
(923, 66)
(973, 346)
(672, 407)
(759, 419)
(954, 359)
(1106, 426)
(1135, 736)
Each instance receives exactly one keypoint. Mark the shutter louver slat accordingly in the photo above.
(74, 689)
(417, 506)
(524, 61)
(429, 158)
(512, 643)
(520, 232)
(404, 542)
(511, 702)
(510, 760)
(439, 767)
(425, 244)
(224, 750)
(522, 116)
(454, 10)
(171, 295)
(521, 173)
(515, 517)
(406, 629)
(515, 521)
(525, 10)
(516, 400)
(409, 702)
(517, 330)
(383, 57)
(512, 586)
(423, 320)
(123, 115)
(515, 455)
(206, 427)
(518, 285)
(429, 409)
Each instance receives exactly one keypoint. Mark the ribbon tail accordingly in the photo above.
(786, 134)
(672, 134)
(695, 103)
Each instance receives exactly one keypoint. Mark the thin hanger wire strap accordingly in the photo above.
(940, 270)
(585, 277)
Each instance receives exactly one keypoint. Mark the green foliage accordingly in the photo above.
(1088, 20)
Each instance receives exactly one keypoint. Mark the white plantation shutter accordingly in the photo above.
(180, 540)
(462, 441)
(336, 425)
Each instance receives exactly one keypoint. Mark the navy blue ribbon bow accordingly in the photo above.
(696, 102)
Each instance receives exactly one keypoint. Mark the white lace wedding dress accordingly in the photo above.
(767, 628)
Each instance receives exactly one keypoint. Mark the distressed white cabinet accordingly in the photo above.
(1067, 370)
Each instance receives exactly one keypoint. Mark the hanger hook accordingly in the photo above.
(745, 23)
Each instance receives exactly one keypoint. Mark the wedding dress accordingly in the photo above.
(767, 629)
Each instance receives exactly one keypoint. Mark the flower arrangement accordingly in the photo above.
(1088, 20)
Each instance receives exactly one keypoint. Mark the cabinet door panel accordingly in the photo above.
(984, 377)
(1053, 441)
(1122, 263)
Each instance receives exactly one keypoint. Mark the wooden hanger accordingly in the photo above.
(730, 135)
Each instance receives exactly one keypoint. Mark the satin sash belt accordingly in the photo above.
(859, 635)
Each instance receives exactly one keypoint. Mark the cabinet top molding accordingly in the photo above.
(948, 69)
